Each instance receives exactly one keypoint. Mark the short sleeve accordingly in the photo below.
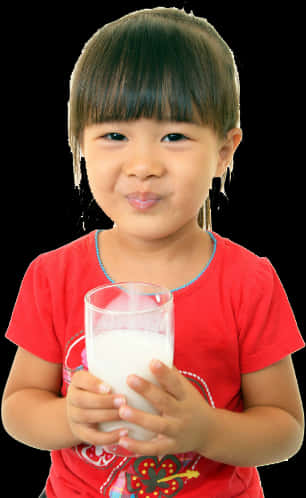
(31, 325)
(267, 327)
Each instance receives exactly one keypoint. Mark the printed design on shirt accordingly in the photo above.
(75, 358)
(146, 476)
(153, 477)
(200, 384)
(95, 455)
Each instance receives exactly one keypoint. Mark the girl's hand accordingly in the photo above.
(184, 419)
(89, 403)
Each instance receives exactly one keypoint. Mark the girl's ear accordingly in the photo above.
(227, 150)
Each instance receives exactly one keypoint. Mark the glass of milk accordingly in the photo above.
(127, 324)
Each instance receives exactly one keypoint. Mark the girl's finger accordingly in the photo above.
(159, 446)
(81, 416)
(153, 423)
(91, 435)
(86, 399)
(88, 382)
(169, 378)
(157, 397)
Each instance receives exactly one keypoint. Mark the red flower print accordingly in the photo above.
(156, 478)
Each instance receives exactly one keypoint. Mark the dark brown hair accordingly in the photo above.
(157, 63)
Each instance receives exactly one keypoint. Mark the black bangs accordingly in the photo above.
(147, 70)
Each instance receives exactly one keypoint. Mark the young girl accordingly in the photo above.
(154, 110)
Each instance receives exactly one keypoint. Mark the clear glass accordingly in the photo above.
(127, 324)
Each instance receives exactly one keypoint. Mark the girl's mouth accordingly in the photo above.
(142, 205)
(143, 200)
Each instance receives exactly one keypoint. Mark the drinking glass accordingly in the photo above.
(127, 324)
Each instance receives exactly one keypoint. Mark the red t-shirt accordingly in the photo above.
(234, 318)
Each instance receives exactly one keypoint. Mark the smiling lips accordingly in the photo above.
(143, 200)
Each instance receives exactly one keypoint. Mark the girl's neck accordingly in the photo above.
(173, 263)
(163, 250)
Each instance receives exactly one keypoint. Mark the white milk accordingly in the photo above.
(119, 353)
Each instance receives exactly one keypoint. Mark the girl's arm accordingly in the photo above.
(34, 413)
(32, 410)
(271, 428)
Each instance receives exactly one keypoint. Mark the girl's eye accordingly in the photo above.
(117, 137)
(175, 137)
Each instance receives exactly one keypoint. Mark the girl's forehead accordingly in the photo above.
(153, 119)
(142, 121)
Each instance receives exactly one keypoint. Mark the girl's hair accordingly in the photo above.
(157, 63)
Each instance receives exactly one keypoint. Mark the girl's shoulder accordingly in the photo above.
(67, 263)
(240, 264)
(76, 249)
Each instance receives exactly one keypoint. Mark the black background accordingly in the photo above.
(40, 210)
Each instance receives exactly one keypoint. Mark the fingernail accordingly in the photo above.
(134, 381)
(119, 402)
(125, 412)
(104, 388)
(123, 443)
(123, 433)
(157, 363)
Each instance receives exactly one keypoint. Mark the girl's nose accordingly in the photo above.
(144, 167)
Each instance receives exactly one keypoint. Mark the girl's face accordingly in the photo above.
(151, 177)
